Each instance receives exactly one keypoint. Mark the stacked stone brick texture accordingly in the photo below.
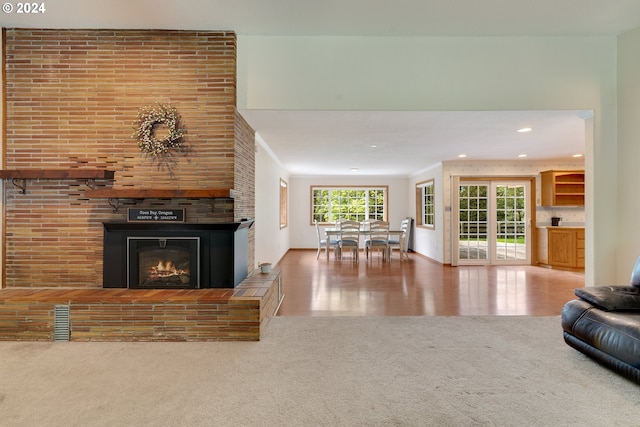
(72, 97)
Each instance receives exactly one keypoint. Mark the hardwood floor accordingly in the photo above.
(419, 287)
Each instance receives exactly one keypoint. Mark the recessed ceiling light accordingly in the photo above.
(577, 155)
(462, 155)
(354, 169)
(373, 145)
(522, 155)
(524, 130)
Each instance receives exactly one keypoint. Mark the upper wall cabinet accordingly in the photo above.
(562, 188)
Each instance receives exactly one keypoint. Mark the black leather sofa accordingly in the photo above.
(604, 324)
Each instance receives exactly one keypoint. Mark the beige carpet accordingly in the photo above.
(383, 371)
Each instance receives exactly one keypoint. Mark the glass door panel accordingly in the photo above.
(511, 222)
(493, 223)
(473, 224)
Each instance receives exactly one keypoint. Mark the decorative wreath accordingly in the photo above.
(151, 118)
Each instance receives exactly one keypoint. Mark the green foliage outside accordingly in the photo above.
(510, 213)
(329, 205)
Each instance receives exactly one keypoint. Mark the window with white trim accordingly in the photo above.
(425, 204)
(284, 220)
(328, 204)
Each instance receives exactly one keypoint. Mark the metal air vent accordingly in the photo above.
(61, 323)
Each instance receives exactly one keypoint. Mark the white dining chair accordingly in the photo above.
(377, 238)
(402, 241)
(324, 241)
(349, 238)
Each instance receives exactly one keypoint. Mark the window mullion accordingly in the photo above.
(330, 207)
(349, 203)
(366, 204)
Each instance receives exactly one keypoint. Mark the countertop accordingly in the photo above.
(559, 226)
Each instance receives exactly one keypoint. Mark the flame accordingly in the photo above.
(166, 269)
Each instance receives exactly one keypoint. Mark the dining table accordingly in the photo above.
(335, 231)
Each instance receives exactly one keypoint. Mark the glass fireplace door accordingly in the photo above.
(163, 262)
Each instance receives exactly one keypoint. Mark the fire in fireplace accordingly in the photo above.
(218, 254)
(163, 262)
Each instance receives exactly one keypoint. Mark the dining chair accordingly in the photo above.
(377, 238)
(326, 242)
(349, 238)
(402, 241)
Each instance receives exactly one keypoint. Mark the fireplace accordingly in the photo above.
(175, 255)
(163, 262)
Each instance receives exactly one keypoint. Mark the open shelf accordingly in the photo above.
(114, 194)
(562, 188)
(56, 174)
(22, 175)
(131, 193)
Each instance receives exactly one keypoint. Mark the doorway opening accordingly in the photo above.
(492, 222)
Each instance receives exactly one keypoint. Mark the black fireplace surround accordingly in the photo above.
(213, 255)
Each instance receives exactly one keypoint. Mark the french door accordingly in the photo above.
(491, 222)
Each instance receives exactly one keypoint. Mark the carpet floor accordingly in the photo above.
(322, 371)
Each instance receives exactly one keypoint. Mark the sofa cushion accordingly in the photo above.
(612, 298)
(614, 333)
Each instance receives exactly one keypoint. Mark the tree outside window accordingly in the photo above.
(328, 204)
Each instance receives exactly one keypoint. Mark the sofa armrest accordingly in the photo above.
(611, 298)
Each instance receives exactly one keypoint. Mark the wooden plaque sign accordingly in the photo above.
(155, 215)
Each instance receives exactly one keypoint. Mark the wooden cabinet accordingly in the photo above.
(543, 245)
(562, 188)
(580, 248)
(565, 247)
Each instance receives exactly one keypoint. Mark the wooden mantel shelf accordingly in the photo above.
(114, 194)
(22, 175)
(131, 193)
(56, 174)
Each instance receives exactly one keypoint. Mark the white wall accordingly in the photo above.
(628, 173)
(271, 242)
(430, 241)
(425, 73)
(454, 73)
(303, 234)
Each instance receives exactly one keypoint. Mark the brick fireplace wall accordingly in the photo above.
(71, 100)
(244, 177)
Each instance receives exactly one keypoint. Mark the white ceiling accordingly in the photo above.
(305, 142)
(400, 143)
